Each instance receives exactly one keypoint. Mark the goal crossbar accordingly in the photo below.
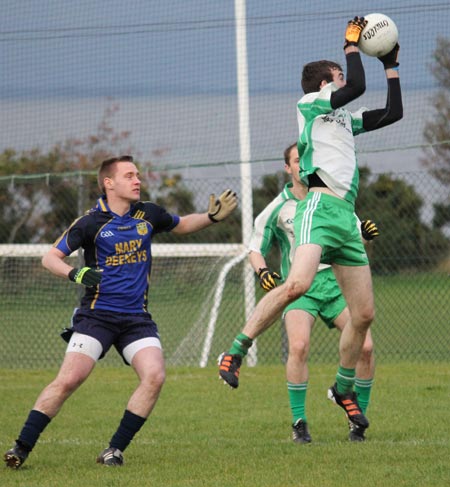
(158, 250)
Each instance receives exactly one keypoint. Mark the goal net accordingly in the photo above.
(197, 298)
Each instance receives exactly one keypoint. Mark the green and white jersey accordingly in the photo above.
(276, 223)
(326, 142)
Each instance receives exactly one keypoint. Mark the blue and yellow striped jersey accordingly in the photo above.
(121, 247)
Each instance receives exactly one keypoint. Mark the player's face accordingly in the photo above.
(338, 78)
(293, 168)
(125, 183)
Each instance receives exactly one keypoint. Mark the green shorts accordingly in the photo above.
(330, 222)
(324, 298)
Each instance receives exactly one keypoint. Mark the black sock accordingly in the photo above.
(131, 423)
(33, 427)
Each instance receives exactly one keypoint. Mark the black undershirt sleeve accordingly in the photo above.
(376, 119)
(355, 85)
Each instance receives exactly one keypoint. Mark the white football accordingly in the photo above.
(379, 36)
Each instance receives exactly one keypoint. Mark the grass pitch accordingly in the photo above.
(202, 433)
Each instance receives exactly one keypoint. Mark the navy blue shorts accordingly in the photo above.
(113, 328)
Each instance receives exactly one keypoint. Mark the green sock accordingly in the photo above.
(241, 344)
(345, 378)
(297, 399)
(363, 388)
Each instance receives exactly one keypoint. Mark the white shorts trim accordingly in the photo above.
(85, 344)
(130, 350)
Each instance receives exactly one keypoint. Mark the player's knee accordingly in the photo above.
(299, 350)
(295, 289)
(160, 379)
(364, 317)
(154, 380)
(65, 387)
(368, 316)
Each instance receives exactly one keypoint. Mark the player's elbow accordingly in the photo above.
(47, 262)
(360, 88)
(398, 114)
(44, 261)
(51, 259)
(350, 92)
(394, 116)
(357, 86)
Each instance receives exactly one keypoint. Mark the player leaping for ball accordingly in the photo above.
(116, 237)
(325, 222)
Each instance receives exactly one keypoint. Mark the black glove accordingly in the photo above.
(267, 279)
(389, 60)
(86, 276)
(353, 31)
(369, 230)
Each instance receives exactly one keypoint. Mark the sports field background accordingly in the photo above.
(159, 80)
(410, 265)
(202, 433)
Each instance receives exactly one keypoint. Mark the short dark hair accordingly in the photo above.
(314, 73)
(287, 153)
(107, 167)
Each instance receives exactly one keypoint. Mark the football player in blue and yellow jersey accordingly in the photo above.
(116, 238)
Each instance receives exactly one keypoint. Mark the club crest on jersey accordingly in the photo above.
(142, 228)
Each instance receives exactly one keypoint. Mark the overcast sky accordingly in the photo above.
(171, 68)
(141, 47)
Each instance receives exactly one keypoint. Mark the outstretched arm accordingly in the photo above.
(192, 223)
(218, 209)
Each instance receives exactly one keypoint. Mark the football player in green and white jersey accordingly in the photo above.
(325, 223)
(274, 225)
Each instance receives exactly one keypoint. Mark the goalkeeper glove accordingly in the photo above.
(267, 279)
(86, 276)
(223, 206)
(353, 31)
(390, 60)
(369, 230)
